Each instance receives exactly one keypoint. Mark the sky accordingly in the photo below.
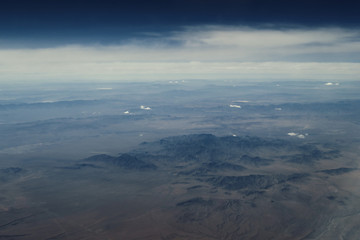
(59, 41)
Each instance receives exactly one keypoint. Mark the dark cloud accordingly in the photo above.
(108, 21)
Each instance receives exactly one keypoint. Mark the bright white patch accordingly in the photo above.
(126, 112)
(278, 109)
(140, 135)
(145, 108)
(234, 106)
(48, 101)
(331, 84)
(302, 136)
(234, 135)
(292, 134)
(241, 101)
(104, 88)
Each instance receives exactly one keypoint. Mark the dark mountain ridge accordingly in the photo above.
(125, 161)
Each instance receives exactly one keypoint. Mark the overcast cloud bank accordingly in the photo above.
(199, 52)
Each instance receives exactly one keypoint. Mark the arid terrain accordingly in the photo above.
(184, 161)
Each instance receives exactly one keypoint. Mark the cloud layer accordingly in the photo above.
(208, 52)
